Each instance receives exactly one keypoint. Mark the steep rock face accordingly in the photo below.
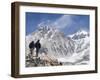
(72, 49)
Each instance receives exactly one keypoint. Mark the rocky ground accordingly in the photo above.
(42, 60)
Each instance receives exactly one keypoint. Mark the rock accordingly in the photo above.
(42, 60)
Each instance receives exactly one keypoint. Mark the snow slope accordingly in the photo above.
(73, 49)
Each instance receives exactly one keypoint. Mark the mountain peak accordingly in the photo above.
(81, 31)
(79, 34)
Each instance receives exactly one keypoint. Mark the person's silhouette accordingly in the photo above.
(37, 46)
(31, 46)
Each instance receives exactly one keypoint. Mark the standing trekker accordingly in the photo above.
(37, 46)
(31, 46)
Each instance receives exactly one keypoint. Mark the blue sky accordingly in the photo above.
(67, 23)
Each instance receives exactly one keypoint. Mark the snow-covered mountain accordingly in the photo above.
(82, 48)
(73, 49)
(79, 34)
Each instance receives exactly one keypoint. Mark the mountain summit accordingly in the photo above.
(79, 34)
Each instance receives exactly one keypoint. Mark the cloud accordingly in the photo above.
(63, 21)
(66, 23)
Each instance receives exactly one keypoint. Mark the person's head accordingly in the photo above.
(38, 41)
(32, 41)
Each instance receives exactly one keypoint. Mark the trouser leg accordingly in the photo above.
(31, 52)
(37, 53)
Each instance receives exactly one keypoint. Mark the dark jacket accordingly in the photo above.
(31, 45)
(38, 45)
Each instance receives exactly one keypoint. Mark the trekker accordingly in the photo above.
(31, 46)
(37, 46)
